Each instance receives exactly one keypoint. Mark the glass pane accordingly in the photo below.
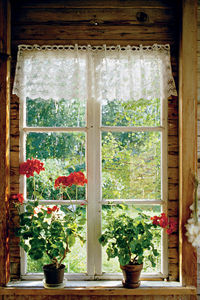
(112, 266)
(131, 113)
(75, 261)
(62, 154)
(51, 113)
(131, 166)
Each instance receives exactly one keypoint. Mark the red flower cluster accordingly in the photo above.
(19, 197)
(162, 221)
(76, 178)
(30, 166)
(54, 208)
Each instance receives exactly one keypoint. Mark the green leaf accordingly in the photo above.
(35, 254)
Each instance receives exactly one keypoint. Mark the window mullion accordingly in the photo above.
(93, 187)
(22, 179)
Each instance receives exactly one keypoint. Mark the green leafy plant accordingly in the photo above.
(49, 229)
(131, 239)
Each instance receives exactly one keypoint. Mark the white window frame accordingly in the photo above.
(93, 132)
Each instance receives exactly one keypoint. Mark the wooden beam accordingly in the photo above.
(149, 292)
(4, 137)
(187, 134)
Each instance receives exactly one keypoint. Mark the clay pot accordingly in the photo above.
(53, 275)
(131, 274)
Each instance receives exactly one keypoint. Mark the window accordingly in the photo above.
(102, 110)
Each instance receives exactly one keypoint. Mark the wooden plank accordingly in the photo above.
(173, 191)
(168, 297)
(97, 3)
(81, 32)
(89, 15)
(187, 134)
(173, 175)
(99, 291)
(4, 137)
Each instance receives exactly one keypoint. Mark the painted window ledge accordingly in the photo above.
(97, 288)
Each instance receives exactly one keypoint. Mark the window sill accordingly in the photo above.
(97, 288)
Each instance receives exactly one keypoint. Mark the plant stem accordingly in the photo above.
(34, 187)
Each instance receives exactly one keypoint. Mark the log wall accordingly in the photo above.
(198, 136)
(98, 22)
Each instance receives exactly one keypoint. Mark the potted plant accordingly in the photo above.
(48, 229)
(130, 239)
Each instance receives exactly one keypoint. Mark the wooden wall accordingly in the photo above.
(170, 297)
(98, 22)
(198, 134)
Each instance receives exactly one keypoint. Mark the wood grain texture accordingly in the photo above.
(170, 297)
(188, 134)
(97, 4)
(101, 291)
(4, 138)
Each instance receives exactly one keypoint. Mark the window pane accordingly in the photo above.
(131, 113)
(51, 113)
(75, 261)
(62, 153)
(112, 266)
(131, 165)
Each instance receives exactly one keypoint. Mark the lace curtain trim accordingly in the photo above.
(104, 73)
(163, 48)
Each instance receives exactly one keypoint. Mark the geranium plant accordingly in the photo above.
(49, 229)
(131, 238)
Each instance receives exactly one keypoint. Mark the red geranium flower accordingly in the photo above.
(30, 166)
(172, 226)
(75, 178)
(155, 220)
(55, 208)
(49, 210)
(19, 197)
(163, 222)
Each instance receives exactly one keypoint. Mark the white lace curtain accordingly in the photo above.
(103, 72)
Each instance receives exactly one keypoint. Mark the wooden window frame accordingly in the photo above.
(187, 136)
(93, 131)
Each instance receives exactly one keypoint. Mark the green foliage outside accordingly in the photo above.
(130, 160)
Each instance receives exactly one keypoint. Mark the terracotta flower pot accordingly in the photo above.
(131, 274)
(53, 276)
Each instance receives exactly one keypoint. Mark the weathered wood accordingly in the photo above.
(100, 291)
(173, 193)
(96, 4)
(172, 209)
(170, 297)
(173, 175)
(107, 16)
(187, 134)
(4, 137)
(82, 32)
